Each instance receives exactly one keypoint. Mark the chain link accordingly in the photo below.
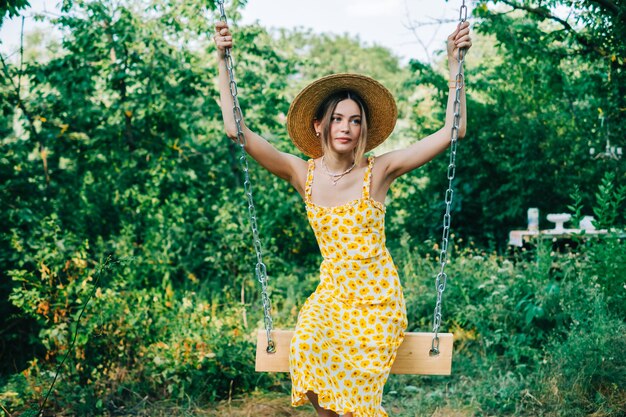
(260, 269)
(442, 277)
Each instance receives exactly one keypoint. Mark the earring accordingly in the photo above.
(317, 134)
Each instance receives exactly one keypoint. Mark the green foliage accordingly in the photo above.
(577, 206)
(12, 8)
(531, 338)
(117, 152)
(147, 342)
(536, 108)
(319, 55)
(586, 373)
(129, 340)
(609, 200)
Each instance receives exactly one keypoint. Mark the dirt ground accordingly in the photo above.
(256, 406)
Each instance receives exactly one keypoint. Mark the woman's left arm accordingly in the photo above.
(404, 160)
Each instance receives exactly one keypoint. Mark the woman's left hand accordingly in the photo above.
(459, 39)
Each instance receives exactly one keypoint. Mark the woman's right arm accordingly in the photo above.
(284, 165)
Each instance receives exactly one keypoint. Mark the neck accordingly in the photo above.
(338, 162)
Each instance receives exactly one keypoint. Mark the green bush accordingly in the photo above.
(543, 335)
(116, 148)
(586, 373)
(130, 343)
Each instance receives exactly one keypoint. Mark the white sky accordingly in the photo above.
(382, 22)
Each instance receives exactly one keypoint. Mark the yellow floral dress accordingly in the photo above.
(349, 329)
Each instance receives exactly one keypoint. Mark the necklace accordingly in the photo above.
(334, 178)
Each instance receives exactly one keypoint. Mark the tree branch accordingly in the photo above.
(539, 11)
(608, 5)
(414, 25)
(545, 13)
(29, 117)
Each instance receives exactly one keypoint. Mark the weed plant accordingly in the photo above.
(541, 334)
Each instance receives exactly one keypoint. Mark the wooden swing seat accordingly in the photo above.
(413, 356)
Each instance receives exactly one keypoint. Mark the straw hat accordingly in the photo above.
(379, 103)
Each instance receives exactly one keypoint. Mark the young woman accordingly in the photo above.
(349, 329)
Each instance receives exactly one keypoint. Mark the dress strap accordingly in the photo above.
(309, 180)
(368, 178)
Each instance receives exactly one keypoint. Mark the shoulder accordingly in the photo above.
(299, 168)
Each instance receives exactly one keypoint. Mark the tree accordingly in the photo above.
(533, 107)
(118, 143)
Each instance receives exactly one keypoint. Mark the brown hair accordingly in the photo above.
(324, 115)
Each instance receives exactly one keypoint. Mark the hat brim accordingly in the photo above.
(381, 108)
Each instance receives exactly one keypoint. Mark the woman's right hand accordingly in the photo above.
(223, 38)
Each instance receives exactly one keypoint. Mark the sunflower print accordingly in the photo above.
(348, 331)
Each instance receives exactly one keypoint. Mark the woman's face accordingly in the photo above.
(345, 127)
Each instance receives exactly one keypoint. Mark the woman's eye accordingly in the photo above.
(356, 121)
(336, 119)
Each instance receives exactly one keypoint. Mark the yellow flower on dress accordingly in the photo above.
(350, 327)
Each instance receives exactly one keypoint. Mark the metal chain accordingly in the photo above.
(442, 278)
(260, 268)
